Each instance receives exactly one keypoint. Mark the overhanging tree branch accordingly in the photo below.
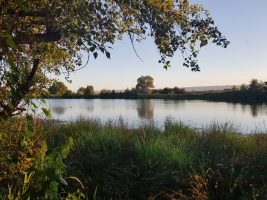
(22, 90)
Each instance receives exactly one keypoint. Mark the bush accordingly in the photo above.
(27, 169)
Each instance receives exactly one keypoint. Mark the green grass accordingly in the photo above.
(178, 162)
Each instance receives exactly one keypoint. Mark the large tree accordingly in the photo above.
(80, 91)
(144, 84)
(89, 91)
(44, 37)
(58, 89)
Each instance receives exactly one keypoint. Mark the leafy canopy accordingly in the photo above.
(144, 84)
(44, 37)
(58, 88)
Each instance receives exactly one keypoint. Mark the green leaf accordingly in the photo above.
(43, 101)
(94, 195)
(76, 179)
(12, 64)
(10, 42)
(28, 133)
(34, 106)
(67, 147)
(46, 112)
(54, 186)
(62, 180)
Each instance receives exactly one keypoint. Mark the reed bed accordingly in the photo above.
(177, 162)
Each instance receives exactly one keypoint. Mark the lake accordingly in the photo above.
(196, 113)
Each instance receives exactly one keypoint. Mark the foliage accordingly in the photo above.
(28, 169)
(58, 89)
(144, 84)
(40, 38)
(89, 91)
(255, 93)
(178, 162)
(80, 91)
(169, 91)
(86, 92)
(243, 87)
(255, 84)
(68, 94)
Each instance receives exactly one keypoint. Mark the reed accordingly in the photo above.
(177, 162)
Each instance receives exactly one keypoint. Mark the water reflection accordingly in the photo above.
(254, 110)
(145, 109)
(243, 108)
(59, 110)
(257, 110)
(90, 108)
(198, 113)
(174, 104)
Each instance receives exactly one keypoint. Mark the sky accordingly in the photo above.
(243, 22)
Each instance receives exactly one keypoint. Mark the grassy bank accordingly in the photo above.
(115, 162)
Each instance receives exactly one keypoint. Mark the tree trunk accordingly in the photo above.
(8, 110)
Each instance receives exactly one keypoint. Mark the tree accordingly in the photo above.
(177, 90)
(255, 84)
(68, 94)
(58, 89)
(166, 90)
(81, 91)
(144, 84)
(243, 87)
(104, 93)
(89, 91)
(130, 93)
(40, 38)
(235, 88)
(265, 86)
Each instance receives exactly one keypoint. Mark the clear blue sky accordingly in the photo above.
(243, 22)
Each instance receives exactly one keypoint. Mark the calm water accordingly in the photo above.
(196, 113)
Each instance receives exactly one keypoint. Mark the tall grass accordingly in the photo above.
(178, 162)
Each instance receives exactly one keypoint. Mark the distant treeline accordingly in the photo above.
(89, 93)
(254, 92)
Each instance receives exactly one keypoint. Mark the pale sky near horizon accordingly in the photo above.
(243, 22)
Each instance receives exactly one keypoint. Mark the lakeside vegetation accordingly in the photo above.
(254, 92)
(178, 162)
(89, 159)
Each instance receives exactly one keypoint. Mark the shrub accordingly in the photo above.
(27, 169)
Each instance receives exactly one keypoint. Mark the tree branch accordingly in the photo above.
(24, 38)
(26, 14)
(8, 110)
